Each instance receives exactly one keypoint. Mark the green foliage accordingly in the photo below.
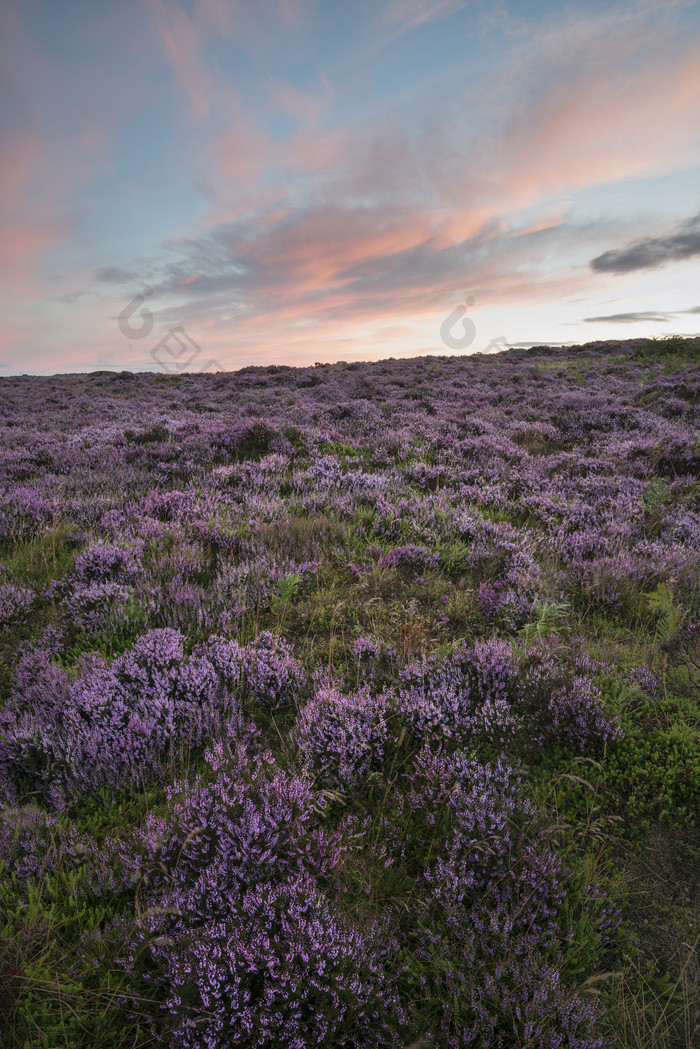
(345, 451)
(670, 615)
(39, 558)
(551, 619)
(56, 986)
(654, 775)
(296, 439)
(288, 587)
(453, 557)
(669, 347)
(656, 494)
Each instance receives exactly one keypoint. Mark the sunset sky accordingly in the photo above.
(293, 181)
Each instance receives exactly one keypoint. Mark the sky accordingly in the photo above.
(210, 184)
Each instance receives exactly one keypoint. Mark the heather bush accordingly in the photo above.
(34, 844)
(410, 556)
(375, 661)
(239, 937)
(102, 584)
(111, 724)
(272, 675)
(493, 931)
(281, 968)
(97, 605)
(15, 604)
(491, 691)
(467, 693)
(561, 699)
(341, 738)
(103, 561)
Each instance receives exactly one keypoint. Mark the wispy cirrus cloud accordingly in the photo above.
(183, 46)
(409, 14)
(340, 226)
(429, 229)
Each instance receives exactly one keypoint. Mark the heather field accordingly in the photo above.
(353, 705)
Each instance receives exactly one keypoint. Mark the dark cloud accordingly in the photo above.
(528, 344)
(650, 252)
(113, 275)
(693, 309)
(630, 318)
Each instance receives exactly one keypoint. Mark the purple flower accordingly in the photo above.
(495, 917)
(243, 941)
(272, 675)
(340, 737)
(115, 724)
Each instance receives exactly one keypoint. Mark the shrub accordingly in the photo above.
(494, 927)
(239, 938)
(272, 675)
(15, 603)
(112, 724)
(561, 701)
(466, 693)
(340, 737)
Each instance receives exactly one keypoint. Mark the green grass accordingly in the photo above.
(37, 559)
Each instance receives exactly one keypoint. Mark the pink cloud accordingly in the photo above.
(28, 228)
(604, 124)
(612, 109)
(303, 106)
(183, 46)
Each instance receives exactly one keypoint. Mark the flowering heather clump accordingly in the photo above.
(488, 691)
(340, 737)
(495, 910)
(563, 701)
(646, 680)
(434, 698)
(613, 581)
(279, 968)
(469, 692)
(102, 584)
(577, 715)
(94, 606)
(250, 822)
(15, 603)
(271, 674)
(373, 660)
(102, 561)
(366, 646)
(252, 582)
(112, 724)
(410, 556)
(243, 943)
(33, 844)
(492, 596)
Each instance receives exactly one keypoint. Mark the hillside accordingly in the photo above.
(353, 705)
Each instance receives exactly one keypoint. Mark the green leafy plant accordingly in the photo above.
(670, 615)
(551, 616)
(287, 588)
